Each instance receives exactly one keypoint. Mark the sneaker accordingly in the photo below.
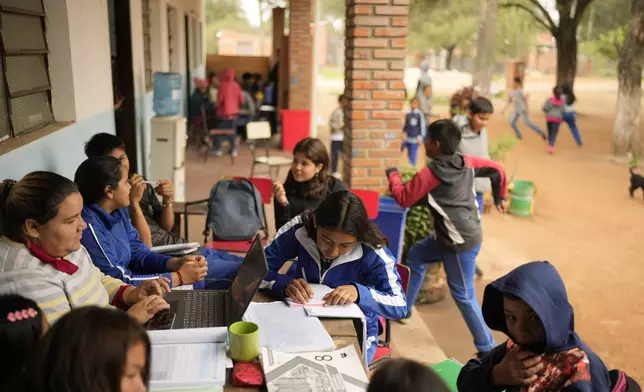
(405, 321)
(218, 153)
(234, 153)
(551, 149)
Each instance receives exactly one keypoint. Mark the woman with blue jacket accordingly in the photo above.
(337, 245)
(111, 240)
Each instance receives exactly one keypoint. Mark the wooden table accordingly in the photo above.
(342, 331)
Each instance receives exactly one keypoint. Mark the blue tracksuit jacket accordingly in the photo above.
(371, 270)
(115, 248)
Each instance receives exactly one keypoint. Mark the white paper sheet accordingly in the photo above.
(335, 371)
(288, 329)
(188, 335)
(319, 291)
(188, 365)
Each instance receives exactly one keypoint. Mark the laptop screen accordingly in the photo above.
(249, 277)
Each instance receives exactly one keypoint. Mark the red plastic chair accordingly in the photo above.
(384, 350)
(370, 199)
(265, 188)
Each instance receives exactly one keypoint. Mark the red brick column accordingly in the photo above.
(376, 42)
(300, 44)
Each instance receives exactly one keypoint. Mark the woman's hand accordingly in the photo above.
(144, 310)
(517, 368)
(299, 291)
(165, 189)
(502, 207)
(157, 287)
(280, 194)
(175, 263)
(342, 295)
(193, 271)
(138, 187)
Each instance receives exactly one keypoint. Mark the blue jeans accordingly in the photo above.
(460, 269)
(412, 152)
(336, 149)
(222, 269)
(571, 119)
(526, 120)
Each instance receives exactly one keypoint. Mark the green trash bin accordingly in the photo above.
(522, 198)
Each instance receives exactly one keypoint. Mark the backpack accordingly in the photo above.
(235, 211)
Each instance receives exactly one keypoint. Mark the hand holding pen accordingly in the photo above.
(299, 290)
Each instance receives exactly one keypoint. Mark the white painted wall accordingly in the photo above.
(80, 72)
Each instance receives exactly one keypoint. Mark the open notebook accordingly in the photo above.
(315, 307)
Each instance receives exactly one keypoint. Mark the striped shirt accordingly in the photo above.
(56, 292)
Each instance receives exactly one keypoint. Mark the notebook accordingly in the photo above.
(448, 371)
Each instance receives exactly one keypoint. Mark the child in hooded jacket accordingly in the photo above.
(543, 352)
(554, 109)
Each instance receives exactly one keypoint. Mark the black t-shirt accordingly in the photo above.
(297, 203)
(152, 209)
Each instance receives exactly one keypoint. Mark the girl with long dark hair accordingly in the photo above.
(308, 182)
(338, 246)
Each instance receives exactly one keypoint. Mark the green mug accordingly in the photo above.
(243, 341)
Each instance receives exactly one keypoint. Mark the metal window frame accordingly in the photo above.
(146, 23)
(3, 57)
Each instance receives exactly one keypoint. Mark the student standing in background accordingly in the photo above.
(336, 123)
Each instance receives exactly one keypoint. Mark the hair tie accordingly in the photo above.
(24, 314)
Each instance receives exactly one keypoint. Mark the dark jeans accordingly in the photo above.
(222, 269)
(232, 138)
(336, 149)
(553, 130)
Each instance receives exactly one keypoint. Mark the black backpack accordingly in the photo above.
(235, 211)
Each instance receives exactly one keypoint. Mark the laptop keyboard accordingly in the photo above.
(204, 309)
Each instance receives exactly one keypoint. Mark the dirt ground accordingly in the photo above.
(584, 223)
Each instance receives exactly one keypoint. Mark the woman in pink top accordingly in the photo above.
(553, 108)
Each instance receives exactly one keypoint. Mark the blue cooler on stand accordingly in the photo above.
(391, 222)
(167, 97)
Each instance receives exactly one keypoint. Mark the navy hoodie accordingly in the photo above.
(539, 285)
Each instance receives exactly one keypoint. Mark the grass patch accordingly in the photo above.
(331, 73)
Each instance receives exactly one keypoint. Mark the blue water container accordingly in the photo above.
(167, 94)
(391, 222)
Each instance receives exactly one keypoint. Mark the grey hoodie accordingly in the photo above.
(475, 144)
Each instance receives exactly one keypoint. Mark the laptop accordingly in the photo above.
(215, 308)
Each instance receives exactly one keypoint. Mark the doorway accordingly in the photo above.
(123, 77)
(187, 36)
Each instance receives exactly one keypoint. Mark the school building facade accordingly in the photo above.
(67, 62)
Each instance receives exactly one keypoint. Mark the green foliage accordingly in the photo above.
(418, 224)
(499, 150)
(436, 24)
(515, 33)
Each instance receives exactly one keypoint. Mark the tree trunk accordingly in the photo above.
(626, 133)
(566, 49)
(450, 55)
(485, 47)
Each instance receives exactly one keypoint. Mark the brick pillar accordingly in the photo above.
(376, 42)
(300, 44)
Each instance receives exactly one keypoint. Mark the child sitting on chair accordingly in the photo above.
(543, 352)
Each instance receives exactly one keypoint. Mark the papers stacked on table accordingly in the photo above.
(335, 371)
(185, 359)
(288, 329)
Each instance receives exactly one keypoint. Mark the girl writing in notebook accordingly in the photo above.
(338, 246)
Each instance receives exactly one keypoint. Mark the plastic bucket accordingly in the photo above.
(167, 95)
(296, 125)
(391, 222)
(522, 198)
